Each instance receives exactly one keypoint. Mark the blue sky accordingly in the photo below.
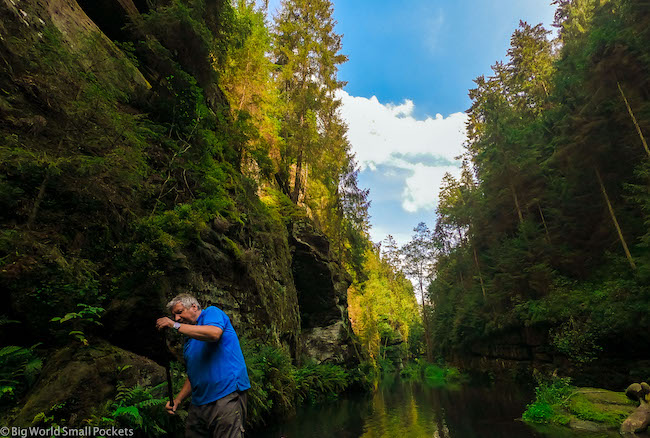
(409, 70)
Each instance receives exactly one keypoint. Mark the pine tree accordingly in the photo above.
(306, 51)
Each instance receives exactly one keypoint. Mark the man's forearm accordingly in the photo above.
(185, 391)
(207, 333)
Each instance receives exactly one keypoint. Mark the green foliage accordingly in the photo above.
(576, 342)
(411, 372)
(383, 311)
(108, 178)
(277, 386)
(584, 409)
(538, 412)
(281, 206)
(19, 369)
(273, 385)
(80, 320)
(551, 397)
(141, 409)
(558, 402)
(436, 375)
(316, 383)
(553, 192)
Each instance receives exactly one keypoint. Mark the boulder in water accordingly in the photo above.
(640, 418)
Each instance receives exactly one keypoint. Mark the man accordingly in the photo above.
(216, 371)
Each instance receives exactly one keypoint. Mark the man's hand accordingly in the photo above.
(171, 410)
(163, 322)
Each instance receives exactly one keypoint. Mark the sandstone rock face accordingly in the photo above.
(285, 290)
(28, 20)
(82, 379)
(329, 344)
(321, 286)
(253, 285)
(320, 282)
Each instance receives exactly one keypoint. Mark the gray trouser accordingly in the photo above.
(223, 418)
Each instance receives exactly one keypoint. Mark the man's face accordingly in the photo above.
(185, 315)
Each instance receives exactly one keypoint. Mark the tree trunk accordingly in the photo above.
(548, 237)
(480, 277)
(39, 199)
(427, 329)
(297, 182)
(638, 128)
(514, 196)
(611, 212)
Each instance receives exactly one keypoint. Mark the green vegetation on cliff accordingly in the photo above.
(200, 152)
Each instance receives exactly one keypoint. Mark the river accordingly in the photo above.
(417, 410)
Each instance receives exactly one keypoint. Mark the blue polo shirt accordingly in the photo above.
(215, 369)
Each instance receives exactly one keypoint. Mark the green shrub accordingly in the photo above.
(273, 385)
(411, 372)
(435, 375)
(80, 320)
(453, 375)
(552, 397)
(386, 365)
(320, 382)
(538, 412)
(277, 386)
(555, 391)
(140, 408)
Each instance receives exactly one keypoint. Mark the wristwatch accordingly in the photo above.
(177, 325)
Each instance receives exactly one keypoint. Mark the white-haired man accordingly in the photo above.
(217, 375)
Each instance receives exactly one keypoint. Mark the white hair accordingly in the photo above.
(186, 300)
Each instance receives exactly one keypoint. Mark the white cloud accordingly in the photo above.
(423, 186)
(389, 134)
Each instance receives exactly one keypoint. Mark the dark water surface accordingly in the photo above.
(417, 410)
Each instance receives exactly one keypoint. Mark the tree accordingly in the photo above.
(306, 51)
(418, 259)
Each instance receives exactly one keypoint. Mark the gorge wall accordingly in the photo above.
(121, 186)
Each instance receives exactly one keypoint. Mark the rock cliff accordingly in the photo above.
(83, 178)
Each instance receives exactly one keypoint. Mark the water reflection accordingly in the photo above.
(417, 410)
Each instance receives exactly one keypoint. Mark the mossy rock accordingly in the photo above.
(587, 409)
(79, 380)
(600, 406)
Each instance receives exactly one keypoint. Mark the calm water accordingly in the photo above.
(416, 410)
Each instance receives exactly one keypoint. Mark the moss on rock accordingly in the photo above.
(589, 409)
(78, 381)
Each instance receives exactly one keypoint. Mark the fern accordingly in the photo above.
(130, 411)
(19, 368)
(140, 408)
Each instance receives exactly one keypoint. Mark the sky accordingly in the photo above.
(410, 67)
